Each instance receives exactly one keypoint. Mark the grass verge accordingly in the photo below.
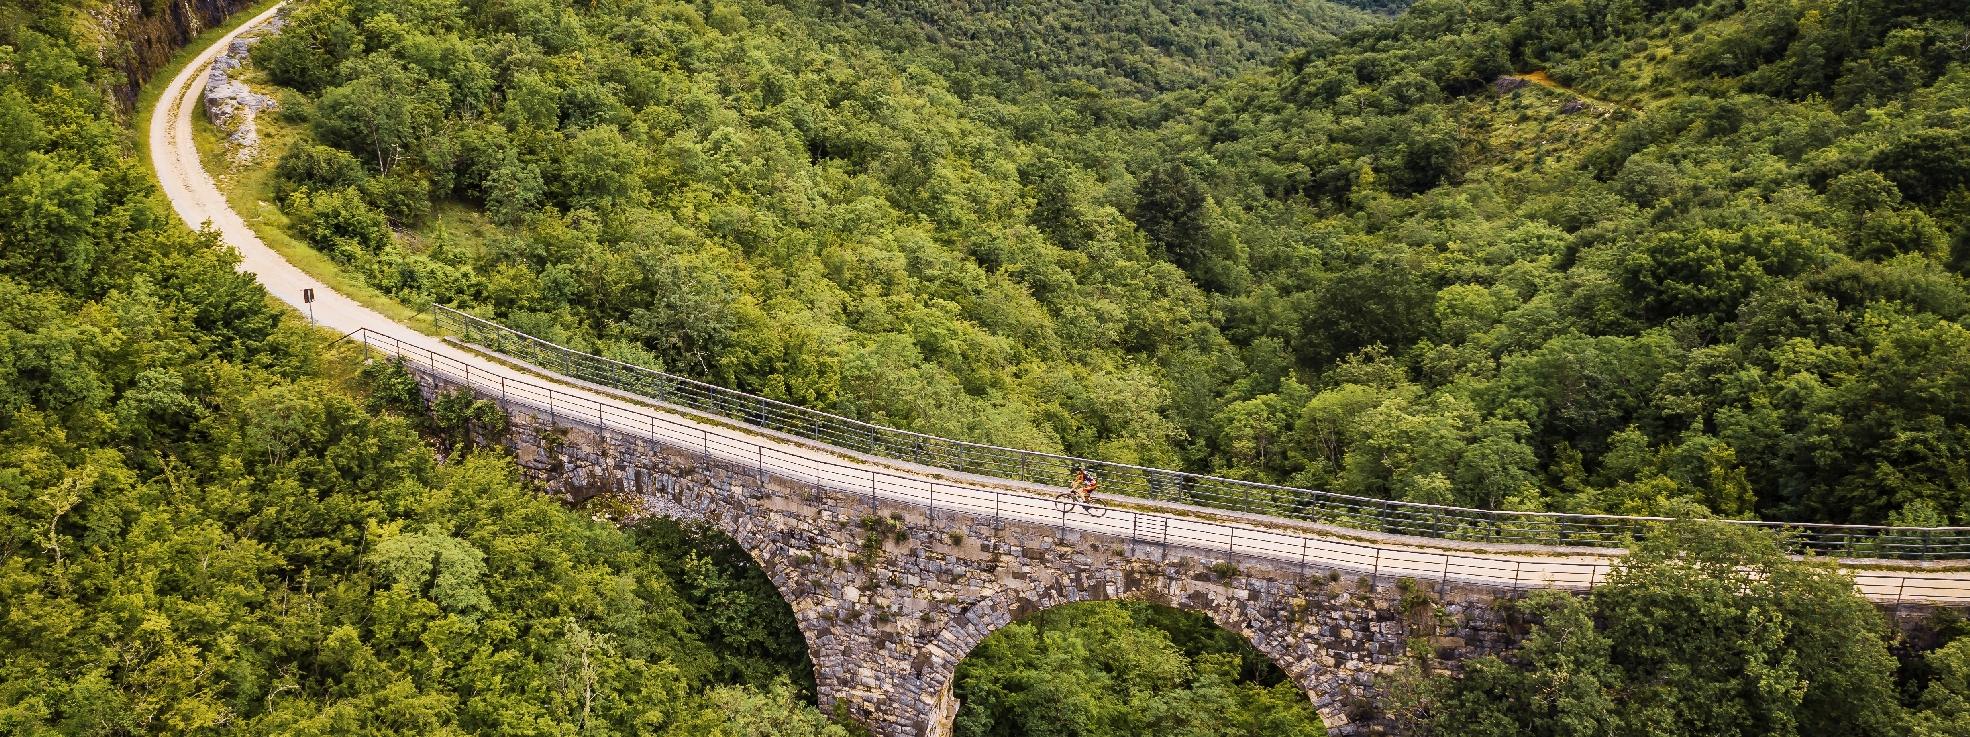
(249, 188)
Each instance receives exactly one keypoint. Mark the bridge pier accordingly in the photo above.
(890, 597)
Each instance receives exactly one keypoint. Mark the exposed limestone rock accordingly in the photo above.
(140, 37)
(232, 105)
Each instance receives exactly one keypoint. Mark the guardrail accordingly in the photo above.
(1283, 545)
(1362, 513)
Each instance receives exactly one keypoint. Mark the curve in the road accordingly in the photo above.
(197, 198)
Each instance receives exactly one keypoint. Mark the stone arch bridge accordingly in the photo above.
(894, 571)
(891, 593)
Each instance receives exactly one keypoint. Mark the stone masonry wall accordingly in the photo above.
(890, 598)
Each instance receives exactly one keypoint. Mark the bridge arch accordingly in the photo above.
(1305, 662)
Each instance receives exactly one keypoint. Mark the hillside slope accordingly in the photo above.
(1608, 256)
(1137, 47)
(216, 520)
(1727, 276)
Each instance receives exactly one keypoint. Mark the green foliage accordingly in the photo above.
(775, 713)
(309, 166)
(339, 223)
(1125, 668)
(1131, 48)
(441, 568)
(205, 530)
(1702, 630)
(737, 610)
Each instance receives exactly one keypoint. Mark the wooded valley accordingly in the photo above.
(1695, 258)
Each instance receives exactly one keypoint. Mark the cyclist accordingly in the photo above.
(1084, 485)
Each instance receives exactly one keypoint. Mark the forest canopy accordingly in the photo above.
(212, 522)
(1667, 257)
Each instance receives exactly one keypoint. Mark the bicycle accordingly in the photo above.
(1080, 492)
(1068, 500)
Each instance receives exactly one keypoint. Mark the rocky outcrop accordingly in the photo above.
(233, 106)
(142, 35)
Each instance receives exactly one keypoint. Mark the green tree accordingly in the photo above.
(1703, 629)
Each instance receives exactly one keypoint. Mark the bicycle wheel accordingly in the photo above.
(1065, 501)
(1094, 509)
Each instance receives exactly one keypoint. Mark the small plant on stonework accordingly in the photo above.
(1299, 607)
(1413, 598)
(843, 720)
(611, 506)
(802, 559)
(1365, 583)
(957, 538)
(874, 530)
(1225, 570)
(1333, 576)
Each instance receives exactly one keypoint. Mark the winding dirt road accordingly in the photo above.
(196, 197)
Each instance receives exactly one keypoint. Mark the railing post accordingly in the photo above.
(1443, 577)
(1376, 570)
(1303, 545)
(1517, 566)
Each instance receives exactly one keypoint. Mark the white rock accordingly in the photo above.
(233, 106)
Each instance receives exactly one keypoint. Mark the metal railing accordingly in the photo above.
(1285, 546)
(1361, 513)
